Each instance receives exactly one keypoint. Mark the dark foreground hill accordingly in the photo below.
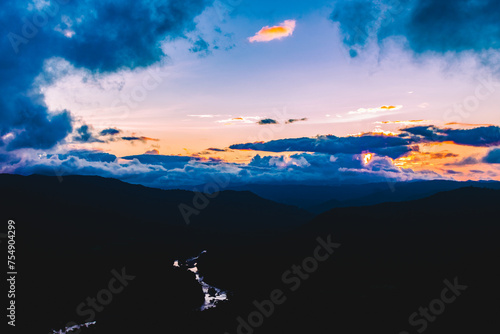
(236, 211)
(393, 258)
(72, 234)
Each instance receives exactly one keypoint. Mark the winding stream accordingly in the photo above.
(212, 294)
(73, 328)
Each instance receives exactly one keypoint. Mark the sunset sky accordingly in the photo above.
(306, 92)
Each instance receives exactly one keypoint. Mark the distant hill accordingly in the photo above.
(318, 199)
(305, 196)
(400, 192)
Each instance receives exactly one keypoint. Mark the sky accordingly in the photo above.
(176, 93)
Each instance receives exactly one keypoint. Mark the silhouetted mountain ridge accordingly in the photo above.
(231, 210)
(393, 258)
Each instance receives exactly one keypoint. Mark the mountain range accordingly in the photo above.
(390, 258)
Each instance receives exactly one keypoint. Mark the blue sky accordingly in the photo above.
(177, 78)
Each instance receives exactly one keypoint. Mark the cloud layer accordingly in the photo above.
(392, 146)
(320, 160)
(180, 172)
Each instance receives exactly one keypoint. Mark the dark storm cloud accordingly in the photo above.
(4, 157)
(31, 124)
(393, 152)
(428, 25)
(293, 120)
(101, 36)
(454, 25)
(88, 155)
(266, 121)
(480, 137)
(142, 139)
(85, 135)
(200, 46)
(465, 162)
(493, 156)
(453, 172)
(390, 146)
(356, 18)
(110, 132)
(217, 149)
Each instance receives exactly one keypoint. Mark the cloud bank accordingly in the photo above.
(318, 161)
(180, 172)
(392, 146)
(480, 137)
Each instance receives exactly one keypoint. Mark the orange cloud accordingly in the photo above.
(267, 33)
(468, 124)
(243, 119)
(374, 110)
